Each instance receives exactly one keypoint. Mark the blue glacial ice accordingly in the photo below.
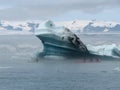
(112, 50)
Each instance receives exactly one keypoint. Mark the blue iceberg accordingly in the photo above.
(60, 41)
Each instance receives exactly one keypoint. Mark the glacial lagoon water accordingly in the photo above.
(19, 70)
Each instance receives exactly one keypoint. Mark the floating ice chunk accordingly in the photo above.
(59, 39)
(107, 50)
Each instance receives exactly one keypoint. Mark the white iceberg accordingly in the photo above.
(112, 50)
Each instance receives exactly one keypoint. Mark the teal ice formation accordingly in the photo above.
(61, 41)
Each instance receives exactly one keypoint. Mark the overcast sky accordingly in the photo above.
(108, 10)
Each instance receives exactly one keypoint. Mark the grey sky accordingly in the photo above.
(44, 9)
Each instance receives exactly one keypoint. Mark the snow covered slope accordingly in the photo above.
(77, 26)
(92, 26)
(15, 27)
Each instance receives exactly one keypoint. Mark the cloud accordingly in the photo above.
(43, 9)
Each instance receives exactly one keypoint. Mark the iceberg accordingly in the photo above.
(112, 50)
(60, 41)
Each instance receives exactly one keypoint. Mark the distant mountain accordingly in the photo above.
(92, 26)
(18, 26)
(77, 26)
